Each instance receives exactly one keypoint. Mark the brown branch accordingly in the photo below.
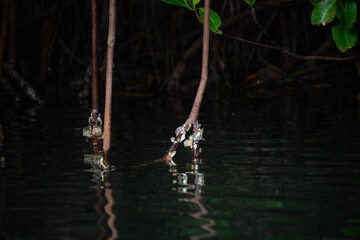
(204, 67)
(282, 50)
(109, 71)
(94, 56)
(262, 28)
(262, 33)
(28, 89)
(194, 113)
(287, 52)
(249, 42)
(181, 65)
(3, 33)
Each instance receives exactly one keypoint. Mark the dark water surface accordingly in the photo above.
(280, 169)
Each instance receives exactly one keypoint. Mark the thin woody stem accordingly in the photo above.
(109, 71)
(205, 62)
(94, 55)
(200, 93)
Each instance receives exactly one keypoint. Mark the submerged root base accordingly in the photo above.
(192, 142)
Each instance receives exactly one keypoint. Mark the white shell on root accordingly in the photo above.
(87, 132)
(188, 142)
(178, 130)
(97, 132)
(198, 135)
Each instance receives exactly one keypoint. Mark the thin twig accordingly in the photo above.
(67, 50)
(262, 33)
(198, 17)
(286, 52)
(262, 28)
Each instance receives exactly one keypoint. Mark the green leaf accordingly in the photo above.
(344, 38)
(193, 3)
(314, 2)
(181, 3)
(324, 12)
(350, 14)
(215, 20)
(340, 12)
(346, 11)
(250, 2)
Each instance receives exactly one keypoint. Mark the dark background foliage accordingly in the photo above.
(152, 37)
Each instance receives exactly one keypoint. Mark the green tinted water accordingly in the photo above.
(282, 169)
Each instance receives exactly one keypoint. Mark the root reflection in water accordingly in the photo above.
(194, 189)
(102, 186)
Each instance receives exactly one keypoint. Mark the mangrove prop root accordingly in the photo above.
(180, 133)
(94, 131)
(109, 71)
(192, 120)
(196, 137)
(94, 55)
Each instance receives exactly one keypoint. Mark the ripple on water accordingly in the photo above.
(267, 171)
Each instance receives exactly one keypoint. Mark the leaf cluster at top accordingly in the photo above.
(189, 4)
(215, 20)
(342, 14)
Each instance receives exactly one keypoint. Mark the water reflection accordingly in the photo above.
(184, 186)
(99, 211)
(2, 183)
(102, 186)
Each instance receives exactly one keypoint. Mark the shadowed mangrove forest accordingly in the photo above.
(158, 49)
(97, 98)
